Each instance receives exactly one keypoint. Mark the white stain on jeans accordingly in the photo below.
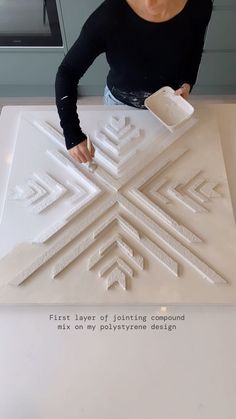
(123, 97)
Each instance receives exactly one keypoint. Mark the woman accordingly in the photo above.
(148, 44)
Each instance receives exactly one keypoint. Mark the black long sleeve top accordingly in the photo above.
(143, 56)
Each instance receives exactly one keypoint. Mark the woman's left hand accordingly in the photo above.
(184, 91)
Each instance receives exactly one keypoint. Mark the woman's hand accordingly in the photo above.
(184, 91)
(81, 153)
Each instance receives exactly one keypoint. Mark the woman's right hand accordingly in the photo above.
(81, 153)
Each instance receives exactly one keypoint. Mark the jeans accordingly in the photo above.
(109, 99)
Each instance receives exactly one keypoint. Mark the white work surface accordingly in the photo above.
(184, 373)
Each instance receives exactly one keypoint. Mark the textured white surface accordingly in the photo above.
(184, 199)
(78, 233)
(140, 363)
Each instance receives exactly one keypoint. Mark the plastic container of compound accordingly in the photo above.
(172, 110)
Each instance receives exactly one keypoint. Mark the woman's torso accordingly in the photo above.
(144, 56)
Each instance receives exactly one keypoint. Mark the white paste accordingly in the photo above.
(121, 263)
(154, 191)
(119, 241)
(181, 230)
(184, 199)
(205, 271)
(116, 276)
(208, 190)
(66, 238)
(192, 190)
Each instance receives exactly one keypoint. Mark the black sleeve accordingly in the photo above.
(88, 46)
(199, 27)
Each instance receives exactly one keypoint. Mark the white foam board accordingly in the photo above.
(148, 226)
